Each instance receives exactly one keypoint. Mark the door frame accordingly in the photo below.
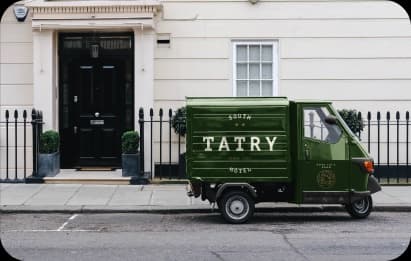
(63, 53)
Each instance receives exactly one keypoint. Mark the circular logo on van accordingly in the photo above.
(326, 179)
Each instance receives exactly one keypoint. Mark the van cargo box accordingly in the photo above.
(238, 139)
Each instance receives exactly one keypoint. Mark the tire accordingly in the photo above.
(237, 207)
(360, 208)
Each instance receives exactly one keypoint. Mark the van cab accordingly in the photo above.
(242, 151)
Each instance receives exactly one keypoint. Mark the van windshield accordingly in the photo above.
(315, 126)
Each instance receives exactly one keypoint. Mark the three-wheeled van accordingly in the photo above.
(242, 151)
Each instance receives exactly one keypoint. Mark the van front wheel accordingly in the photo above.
(236, 207)
(360, 208)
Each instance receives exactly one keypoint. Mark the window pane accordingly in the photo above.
(254, 71)
(267, 71)
(254, 88)
(241, 71)
(241, 53)
(267, 88)
(254, 53)
(241, 88)
(267, 53)
(315, 126)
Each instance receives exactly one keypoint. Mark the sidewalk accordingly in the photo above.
(151, 198)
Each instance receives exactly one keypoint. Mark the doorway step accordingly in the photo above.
(103, 177)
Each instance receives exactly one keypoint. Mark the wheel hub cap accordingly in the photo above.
(237, 207)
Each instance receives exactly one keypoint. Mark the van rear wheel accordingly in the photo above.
(360, 208)
(236, 207)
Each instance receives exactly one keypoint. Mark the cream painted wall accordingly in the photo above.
(16, 85)
(355, 53)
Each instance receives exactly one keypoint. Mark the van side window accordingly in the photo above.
(315, 126)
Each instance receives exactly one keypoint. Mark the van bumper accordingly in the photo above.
(373, 186)
(333, 197)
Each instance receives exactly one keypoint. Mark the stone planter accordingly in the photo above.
(49, 164)
(130, 164)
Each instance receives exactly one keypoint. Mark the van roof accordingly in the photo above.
(237, 101)
(204, 101)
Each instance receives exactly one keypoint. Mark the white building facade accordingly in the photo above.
(68, 58)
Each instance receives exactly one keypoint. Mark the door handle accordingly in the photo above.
(97, 114)
(307, 152)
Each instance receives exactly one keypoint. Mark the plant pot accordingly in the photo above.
(49, 164)
(130, 164)
(182, 166)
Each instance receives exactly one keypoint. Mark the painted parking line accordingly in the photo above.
(65, 223)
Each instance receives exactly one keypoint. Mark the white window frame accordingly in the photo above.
(275, 62)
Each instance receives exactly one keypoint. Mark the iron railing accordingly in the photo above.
(162, 162)
(162, 151)
(15, 171)
(387, 140)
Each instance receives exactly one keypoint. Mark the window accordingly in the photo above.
(316, 128)
(255, 68)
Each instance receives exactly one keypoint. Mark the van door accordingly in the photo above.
(323, 165)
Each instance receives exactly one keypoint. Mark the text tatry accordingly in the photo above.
(239, 141)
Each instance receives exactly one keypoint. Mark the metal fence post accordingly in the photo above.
(388, 144)
(24, 143)
(378, 141)
(151, 142)
(397, 117)
(161, 142)
(407, 118)
(7, 144)
(369, 130)
(170, 114)
(311, 119)
(359, 117)
(141, 123)
(16, 115)
(34, 118)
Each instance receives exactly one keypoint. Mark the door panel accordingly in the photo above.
(96, 97)
(99, 112)
(324, 163)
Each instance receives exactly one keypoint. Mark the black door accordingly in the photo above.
(96, 100)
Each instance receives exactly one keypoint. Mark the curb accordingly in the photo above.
(185, 210)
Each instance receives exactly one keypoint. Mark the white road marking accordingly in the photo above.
(65, 223)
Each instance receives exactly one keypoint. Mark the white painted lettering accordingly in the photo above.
(209, 139)
(271, 142)
(255, 141)
(239, 140)
(223, 144)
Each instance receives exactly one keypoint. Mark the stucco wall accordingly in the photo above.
(16, 84)
(355, 53)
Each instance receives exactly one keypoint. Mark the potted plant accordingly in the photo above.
(49, 156)
(352, 119)
(130, 159)
(179, 124)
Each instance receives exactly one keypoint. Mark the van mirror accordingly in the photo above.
(331, 119)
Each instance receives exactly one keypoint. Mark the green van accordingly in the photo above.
(242, 151)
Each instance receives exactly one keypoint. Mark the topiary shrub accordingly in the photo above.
(130, 141)
(49, 142)
(179, 121)
(351, 119)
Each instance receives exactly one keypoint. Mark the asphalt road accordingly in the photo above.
(269, 236)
